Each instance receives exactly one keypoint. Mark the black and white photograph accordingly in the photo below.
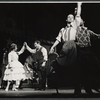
(50, 49)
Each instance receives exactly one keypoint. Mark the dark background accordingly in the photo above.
(43, 21)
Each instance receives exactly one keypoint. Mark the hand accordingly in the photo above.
(25, 44)
(79, 3)
(43, 64)
(75, 10)
(51, 50)
(99, 36)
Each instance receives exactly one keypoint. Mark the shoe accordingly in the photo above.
(16, 89)
(6, 89)
(13, 89)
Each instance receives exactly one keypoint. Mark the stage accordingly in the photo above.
(48, 93)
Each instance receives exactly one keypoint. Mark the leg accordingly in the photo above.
(40, 78)
(20, 86)
(8, 84)
(43, 80)
(17, 83)
(13, 87)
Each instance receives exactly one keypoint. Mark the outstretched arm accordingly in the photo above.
(29, 49)
(54, 45)
(78, 13)
(94, 34)
(22, 49)
(58, 39)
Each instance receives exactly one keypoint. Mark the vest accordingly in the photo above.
(39, 56)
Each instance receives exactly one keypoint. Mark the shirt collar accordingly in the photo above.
(72, 24)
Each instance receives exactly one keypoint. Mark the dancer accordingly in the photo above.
(41, 59)
(29, 70)
(14, 70)
(67, 36)
(87, 61)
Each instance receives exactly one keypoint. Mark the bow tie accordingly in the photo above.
(69, 26)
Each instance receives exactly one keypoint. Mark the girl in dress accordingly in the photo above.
(14, 70)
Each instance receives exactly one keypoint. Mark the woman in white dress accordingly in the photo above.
(14, 70)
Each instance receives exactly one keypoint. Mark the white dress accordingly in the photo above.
(14, 70)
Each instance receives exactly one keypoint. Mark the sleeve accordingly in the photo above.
(60, 35)
(92, 33)
(44, 52)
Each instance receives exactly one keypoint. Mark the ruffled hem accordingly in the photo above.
(10, 77)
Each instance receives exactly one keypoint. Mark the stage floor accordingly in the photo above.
(48, 93)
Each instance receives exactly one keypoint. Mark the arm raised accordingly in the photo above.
(78, 13)
(29, 49)
(22, 49)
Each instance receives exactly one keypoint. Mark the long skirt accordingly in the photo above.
(68, 54)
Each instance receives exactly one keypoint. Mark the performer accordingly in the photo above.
(41, 59)
(67, 36)
(29, 70)
(87, 61)
(14, 70)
